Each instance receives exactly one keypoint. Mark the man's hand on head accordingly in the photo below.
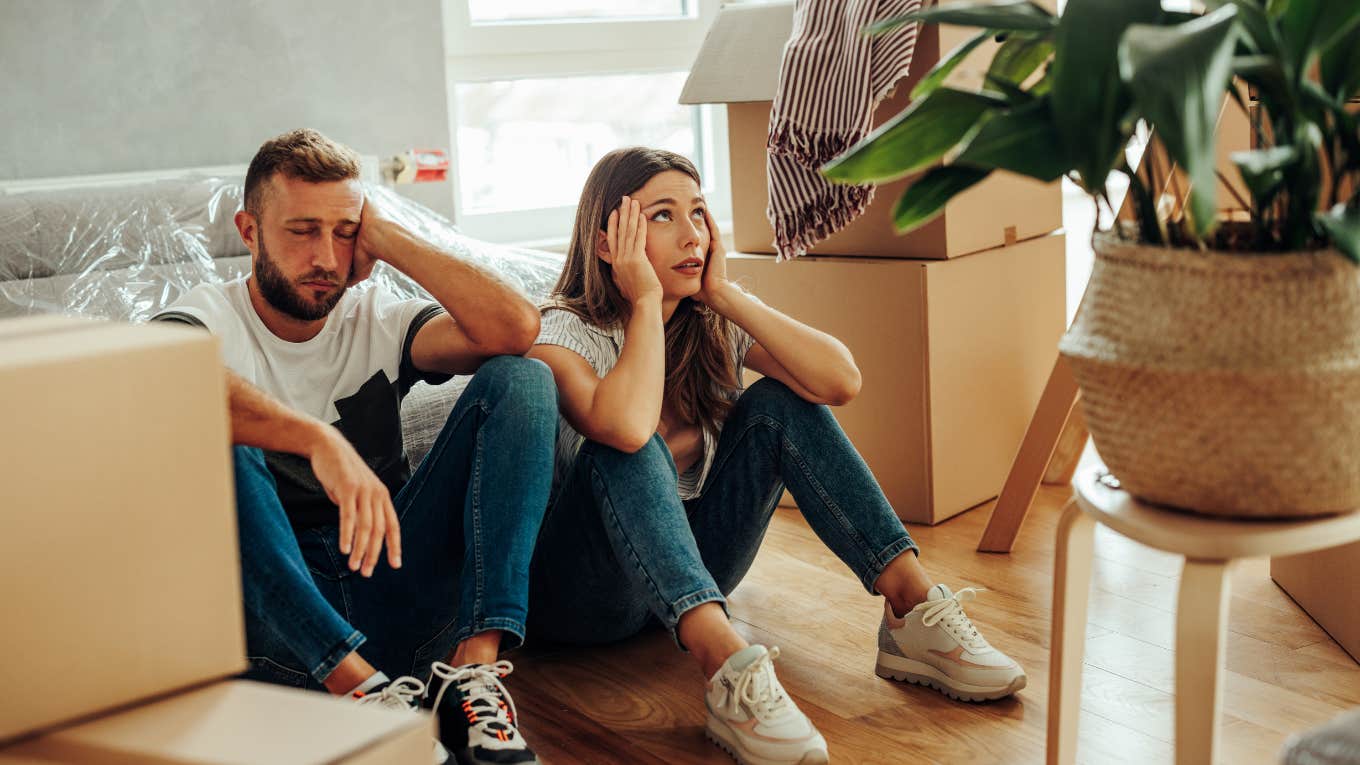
(367, 248)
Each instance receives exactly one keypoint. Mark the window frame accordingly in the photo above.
(512, 50)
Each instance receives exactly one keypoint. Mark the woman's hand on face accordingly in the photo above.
(715, 282)
(626, 233)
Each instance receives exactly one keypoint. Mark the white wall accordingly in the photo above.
(104, 86)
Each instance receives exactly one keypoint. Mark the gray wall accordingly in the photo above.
(104, 86)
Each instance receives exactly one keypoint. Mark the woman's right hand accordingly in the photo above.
(626, 234)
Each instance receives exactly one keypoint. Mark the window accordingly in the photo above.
(540, 89)
(482, 11)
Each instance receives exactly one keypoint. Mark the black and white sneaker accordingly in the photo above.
(402, 694)
(476, 714)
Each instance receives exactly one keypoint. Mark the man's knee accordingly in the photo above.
(526, 381)
(246, 458)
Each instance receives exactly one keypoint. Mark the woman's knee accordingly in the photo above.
(652, 461)
(771, 397)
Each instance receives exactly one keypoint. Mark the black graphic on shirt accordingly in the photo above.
(371, 420)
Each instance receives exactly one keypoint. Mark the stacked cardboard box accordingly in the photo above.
(118, 556)
(239, 723)
(954, 326)
(1320, 581)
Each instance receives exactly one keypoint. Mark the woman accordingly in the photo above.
(667, 472)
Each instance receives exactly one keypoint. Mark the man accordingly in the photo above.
(316, 374)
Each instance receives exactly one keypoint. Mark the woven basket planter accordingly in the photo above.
(1223, 384)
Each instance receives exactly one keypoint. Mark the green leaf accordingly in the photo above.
(1018, 57)
(1178, 75)
(1023, 140)
(917, 137)
(926, 198)
(942, 69)
(1267, 74)
(1087, 91)
(1258, 33)
(1342, 225)
(1015, 95)
(1304, 183)
(1340, 66)
(1263, 170)
(1006, 15)
(1310, 27)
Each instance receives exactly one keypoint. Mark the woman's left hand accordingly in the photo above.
(715, 283)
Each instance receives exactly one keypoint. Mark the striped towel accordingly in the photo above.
(831, 78)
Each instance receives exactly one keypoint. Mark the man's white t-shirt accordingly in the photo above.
(353, 374)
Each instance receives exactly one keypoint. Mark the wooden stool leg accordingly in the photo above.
(1071, 591)
(1063, 465)
(1201, 633)
(1031, 462)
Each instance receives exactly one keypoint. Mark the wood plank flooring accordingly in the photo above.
(640, 701)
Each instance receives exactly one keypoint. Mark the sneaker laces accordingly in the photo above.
(950, 611)
(481, 683)
(757, 687)
(401, 693)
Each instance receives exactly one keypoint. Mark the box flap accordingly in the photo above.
(236, 721)
(47, 322)
(739, 60)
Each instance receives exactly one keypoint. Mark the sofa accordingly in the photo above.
(123, 250)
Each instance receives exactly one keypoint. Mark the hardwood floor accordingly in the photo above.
(640, 701)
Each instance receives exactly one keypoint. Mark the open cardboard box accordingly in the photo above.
(738, 65)
(238, 722)
(954, 356)
(118, 551)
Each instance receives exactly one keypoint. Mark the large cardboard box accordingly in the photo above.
(241, 723)
(954, 355)
(1323, 584)
(749, 39)
(118, 551)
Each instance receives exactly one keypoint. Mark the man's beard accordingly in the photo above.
(287, 299)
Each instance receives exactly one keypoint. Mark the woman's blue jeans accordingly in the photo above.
(469, 517)
(618, 547)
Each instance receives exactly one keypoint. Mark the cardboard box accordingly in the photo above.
(954, 356)
(242, 723)
(118, 550)
(1322, 583)
(1002, 210)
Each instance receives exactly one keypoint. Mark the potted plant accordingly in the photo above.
(1219, 360)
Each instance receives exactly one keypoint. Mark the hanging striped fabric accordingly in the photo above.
(831, 78)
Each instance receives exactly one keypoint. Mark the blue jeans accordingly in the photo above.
(469, 517)
(619, 548)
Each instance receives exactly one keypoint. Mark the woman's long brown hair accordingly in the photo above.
(700, 372)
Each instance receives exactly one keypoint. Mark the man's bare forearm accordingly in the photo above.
(258, 419)
(490, 312)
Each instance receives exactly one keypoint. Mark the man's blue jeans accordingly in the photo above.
(469, 517)
(619, 548)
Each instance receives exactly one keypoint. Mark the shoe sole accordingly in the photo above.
(746, 758)
(891, 667)
(459, 760)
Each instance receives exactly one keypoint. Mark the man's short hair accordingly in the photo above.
(303, 154)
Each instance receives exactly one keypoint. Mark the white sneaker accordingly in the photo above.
(403, 694)
(753, 719)
(937, 645)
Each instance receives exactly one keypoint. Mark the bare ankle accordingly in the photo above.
(482, 648)
(706, 632)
